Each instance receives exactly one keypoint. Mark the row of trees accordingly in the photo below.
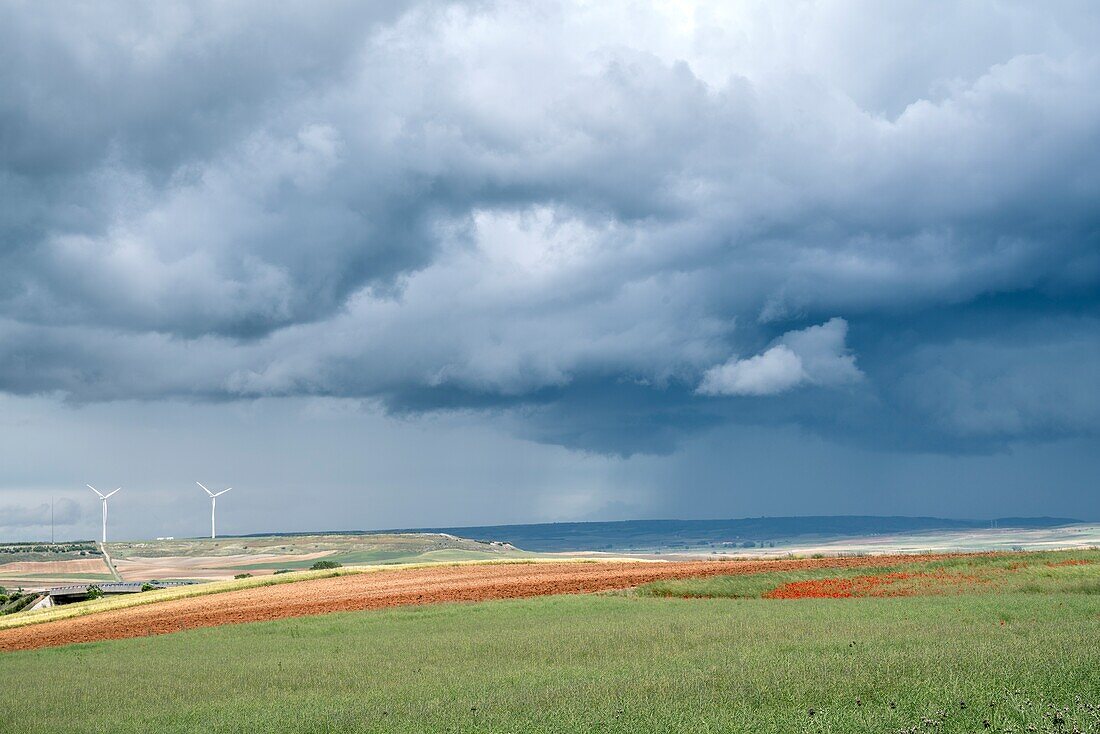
(15, 601)
(80, 547)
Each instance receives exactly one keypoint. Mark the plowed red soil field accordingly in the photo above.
(390, 588)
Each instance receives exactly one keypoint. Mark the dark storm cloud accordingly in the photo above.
(613, 225)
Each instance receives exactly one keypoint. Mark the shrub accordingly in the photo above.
(282, 570)
(94, 592)
(322, 565)
(147, 586)
(243, 576)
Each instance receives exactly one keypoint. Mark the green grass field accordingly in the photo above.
(627, 662)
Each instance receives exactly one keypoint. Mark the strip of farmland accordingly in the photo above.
(391, 588)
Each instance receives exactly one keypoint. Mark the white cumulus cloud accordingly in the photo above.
(816, 355)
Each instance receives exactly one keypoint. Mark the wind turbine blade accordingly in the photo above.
(112, 493)
(223, 491)
(94, 490)
(204, 489)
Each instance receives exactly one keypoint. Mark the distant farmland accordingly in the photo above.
(33, 565)
(203, 559)
(223, 558)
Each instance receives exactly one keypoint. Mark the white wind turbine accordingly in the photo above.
(213, 504)
(103, 498)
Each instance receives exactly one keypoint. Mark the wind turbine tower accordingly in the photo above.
(103, 498)
(213, 505)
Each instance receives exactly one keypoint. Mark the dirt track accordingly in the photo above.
(390, 588)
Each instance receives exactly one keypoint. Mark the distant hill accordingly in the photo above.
(655, 534)
(649, 534)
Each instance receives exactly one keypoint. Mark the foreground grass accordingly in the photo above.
(605, 663)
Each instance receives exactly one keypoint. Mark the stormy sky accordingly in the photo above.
(406, 264)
